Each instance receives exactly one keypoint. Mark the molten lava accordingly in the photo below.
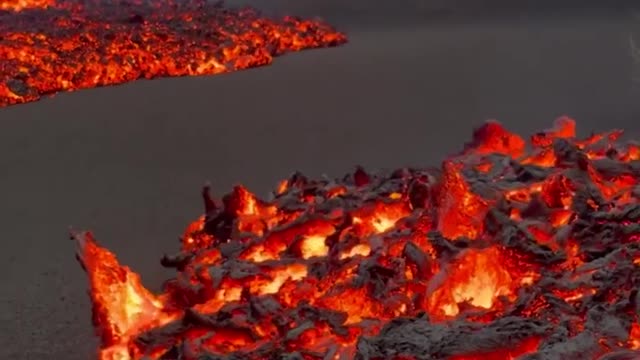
(47, 46)
(512, 250)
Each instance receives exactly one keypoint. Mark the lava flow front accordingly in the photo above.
(47, 46)
(511, 249)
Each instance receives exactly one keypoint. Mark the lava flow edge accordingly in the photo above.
(509, 250)
(44, 53)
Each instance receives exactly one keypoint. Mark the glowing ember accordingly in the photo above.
(509, 251)
(48, 46)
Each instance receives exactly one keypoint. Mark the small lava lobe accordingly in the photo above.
(74, 44)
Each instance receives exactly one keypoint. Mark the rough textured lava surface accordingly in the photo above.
(47, 46)
(511, 249)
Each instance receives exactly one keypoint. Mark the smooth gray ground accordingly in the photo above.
(128, 161)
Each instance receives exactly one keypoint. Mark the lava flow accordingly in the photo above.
(510, 250)
(48, 46)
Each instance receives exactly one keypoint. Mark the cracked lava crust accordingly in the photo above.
(512, 249)
(48, 46)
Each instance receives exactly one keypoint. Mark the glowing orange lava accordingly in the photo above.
(49, 46)
(502, 254)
